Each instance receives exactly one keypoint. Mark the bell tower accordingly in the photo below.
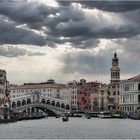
(115, 70)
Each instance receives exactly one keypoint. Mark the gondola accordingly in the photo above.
(65, 119)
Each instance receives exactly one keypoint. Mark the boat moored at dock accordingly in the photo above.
(105, 114)
(135, 115)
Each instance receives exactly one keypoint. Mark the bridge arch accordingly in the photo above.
(23, 102)
(67, 107)
(28, 101)
(48, 102)
(58, 104)
(53, 103)
(43, 101)
(18, 103)
(13, 105)
(62, 105)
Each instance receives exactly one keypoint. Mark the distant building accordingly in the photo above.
(4, 93)
(80, 94)
(49, 88)
(73, 86)
(103, 98)
(130, 94)
(86, 93)
(94, 95)
(114, 84)
(69, 94)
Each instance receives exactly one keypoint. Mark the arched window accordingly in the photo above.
(53, 103)
(74, 107)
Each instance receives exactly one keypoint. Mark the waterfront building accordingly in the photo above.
(129, 99)
(4, 94)
(114, 84)
(69, 94)
(94, 95)
(73, 86)
(83, 95)
(79, 94)
(95, 101)
(65, 94)
(49, 88)
(99, 98)
(103, 97)
(86, 93)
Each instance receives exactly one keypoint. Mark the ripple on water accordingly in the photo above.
(75, 128)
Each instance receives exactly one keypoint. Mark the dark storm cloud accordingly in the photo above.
(73, 23)
(68, 23)
(9, 34)
(32, 13)
(10, 51)
(112, 6)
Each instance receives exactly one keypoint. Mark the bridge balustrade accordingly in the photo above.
(44, 102)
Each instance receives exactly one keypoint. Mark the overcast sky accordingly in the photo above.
(43, 39)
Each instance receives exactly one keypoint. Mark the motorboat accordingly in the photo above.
(7, 121)
(105, 114)
(88, 117)
(135, 115)
(94, 114)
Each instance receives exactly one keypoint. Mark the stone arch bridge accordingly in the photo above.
(36, 100)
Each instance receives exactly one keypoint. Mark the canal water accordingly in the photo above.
(75, 128)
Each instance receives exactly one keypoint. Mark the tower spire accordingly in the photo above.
(115, 55)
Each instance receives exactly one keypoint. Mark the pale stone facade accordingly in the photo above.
(99, 98)
(103, 97)
(129, 99)
(50, 89)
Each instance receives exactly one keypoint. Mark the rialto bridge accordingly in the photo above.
(37, 101)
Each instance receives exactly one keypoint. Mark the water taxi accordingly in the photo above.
(105, 115)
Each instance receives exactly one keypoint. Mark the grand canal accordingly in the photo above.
(75, 128)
